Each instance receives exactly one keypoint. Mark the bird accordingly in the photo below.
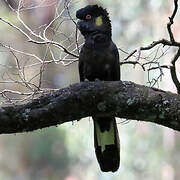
(99, 60)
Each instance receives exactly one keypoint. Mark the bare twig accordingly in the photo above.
(163, 66)
(133, 63)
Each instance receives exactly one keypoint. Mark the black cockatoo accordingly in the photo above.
(99, 59)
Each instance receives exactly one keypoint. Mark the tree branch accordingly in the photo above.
(173, 71)
(121, 99)
(171, 21)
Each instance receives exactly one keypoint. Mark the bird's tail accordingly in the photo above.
(106, 142)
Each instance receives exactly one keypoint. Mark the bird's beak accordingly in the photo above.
(79, 23)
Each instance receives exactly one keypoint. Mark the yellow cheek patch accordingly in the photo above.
(99, 21)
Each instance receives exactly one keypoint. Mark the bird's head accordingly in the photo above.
(93, 19)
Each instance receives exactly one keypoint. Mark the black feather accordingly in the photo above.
(99, 59)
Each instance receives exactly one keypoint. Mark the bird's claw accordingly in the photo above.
(86, 80)
(97, 80)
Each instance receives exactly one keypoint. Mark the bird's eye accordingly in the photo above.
(88, 16)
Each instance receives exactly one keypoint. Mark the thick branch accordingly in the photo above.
(120, 99)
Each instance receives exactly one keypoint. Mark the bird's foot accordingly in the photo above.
(97, 80)
(86, 80)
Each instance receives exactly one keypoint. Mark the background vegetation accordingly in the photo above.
(66, 152)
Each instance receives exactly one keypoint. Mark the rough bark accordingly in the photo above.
(121, 99)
